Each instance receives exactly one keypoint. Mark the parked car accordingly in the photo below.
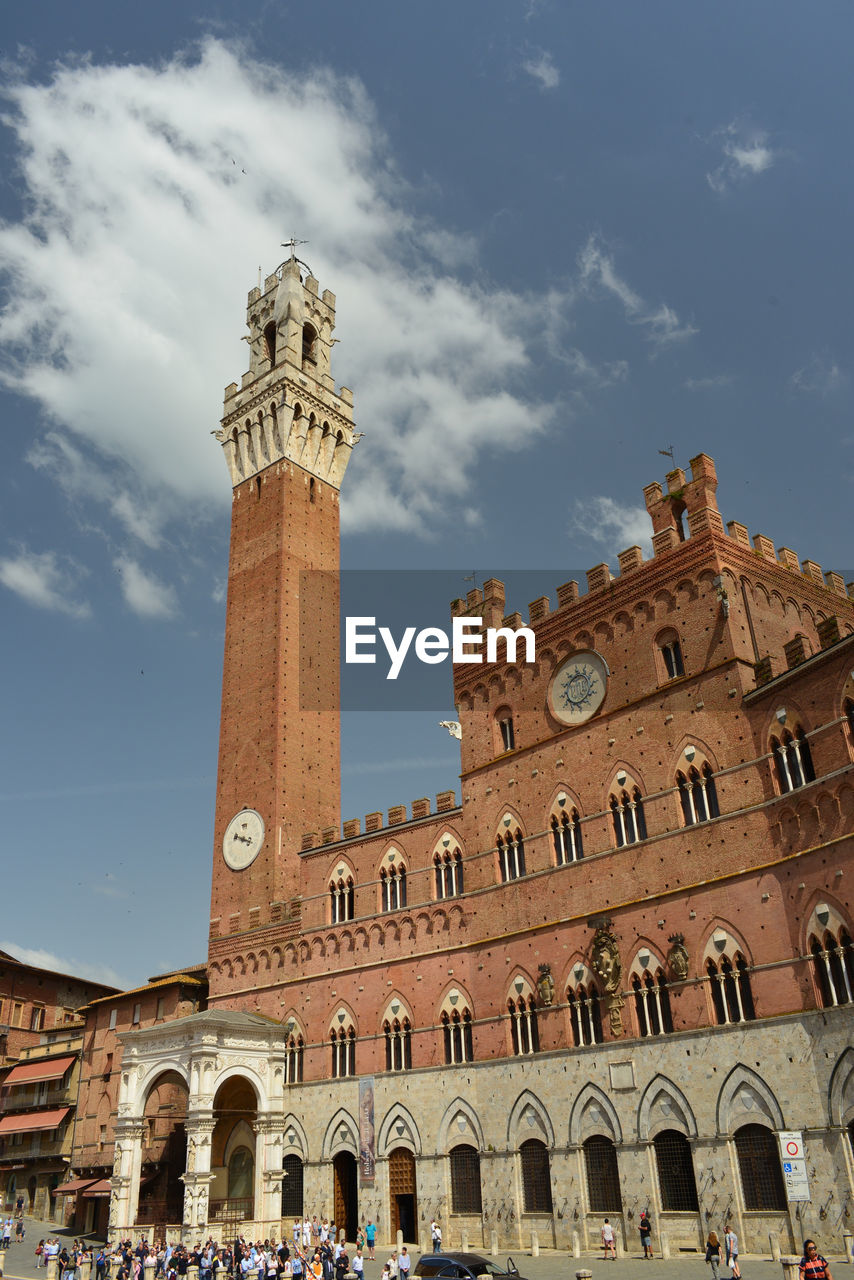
(463, 1266)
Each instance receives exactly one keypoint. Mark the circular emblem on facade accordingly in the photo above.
(578, 687)
(243, 838)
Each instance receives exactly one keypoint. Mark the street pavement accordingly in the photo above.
(550, 1265)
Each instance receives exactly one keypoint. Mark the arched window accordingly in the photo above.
(523, 1025)
(292, 1187)
(731, 994)
(343, 1051)
(603, 1178)
(652, 1004)
(506, 732)
(398, 1044)
(699, 795)
(566, 837)
(342, 897)
(585, 1014)
(294, 1046)
(834, 968)
(309, 344)
(671, 656)
(759, 1166)
(536, 1177)
(792, 760)
(448, 872)
(457, 1037)
(675, 1166)
(465, 1180)
(849, 715)
(270, 341)
(628, 817)
(393, 887)
(511, 856)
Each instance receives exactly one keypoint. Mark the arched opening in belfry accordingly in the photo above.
(309, 344)
(270, 341)
(164, 1151)
(232, 1194)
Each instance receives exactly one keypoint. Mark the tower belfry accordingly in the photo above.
(287, 435)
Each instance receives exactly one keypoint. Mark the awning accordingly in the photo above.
(75, 1185)
(44, 1069)
(101, 1188)
(34, 1121)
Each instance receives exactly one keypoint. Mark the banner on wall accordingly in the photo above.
(367, 1153)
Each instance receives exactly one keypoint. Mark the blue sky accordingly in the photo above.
(562, 236)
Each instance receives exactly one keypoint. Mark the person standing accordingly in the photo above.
(645, 1228)
(371, 1237)
(359, 1263)
(436, 1236)
(609, 1244)
(812, 1265)
(731, 1246)
(713, 1253)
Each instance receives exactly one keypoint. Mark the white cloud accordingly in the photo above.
(611, 526)
(45, 579)
(746, 153)
(711, 383)
(599, 275)
(595, 375)
(143, 592)
(41, 959)
(819, 376)
(152, 194)
(543, 70)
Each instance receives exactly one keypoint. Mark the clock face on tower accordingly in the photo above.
(578, 688)
(243, 838)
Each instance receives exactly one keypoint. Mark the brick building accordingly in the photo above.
(609, 977)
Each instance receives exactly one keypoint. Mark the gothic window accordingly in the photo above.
(792, 760)
(834, 968)
(603, 1178)
(393, 887)
(342, 897)
(398, 1044)
(675, 1172)
(270, 341)
(628, 817)
(465, 1180)
(294, 1046)
(343, 1052)
(292, 1187)
(566, 837)
(457, 1037)
(585, 1014)
(536, 1177)
(731, 994)
(309, 344)
(671, 655)
(523, 1025)
(506, 732)
(511, 855)
(699, 795)
(759, 1166)
(448, 872)
(652, 1004)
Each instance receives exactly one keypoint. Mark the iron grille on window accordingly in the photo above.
(465, 1180)
(566, 838)
(699, 796)
(456, 1033)
(731, 993)
(759, 1166)
(448, 868)
(675, 1172)
(628, 818)
(293, 1060)
(523, 1025)
(292, 1191)
(652, 1004)
(536, 1178)
(398, 1045)
(834, 968)
(603, 1179)
(793, 760)
(585, 1015)
(511, 856)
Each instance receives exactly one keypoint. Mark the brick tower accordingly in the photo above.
(287, 437)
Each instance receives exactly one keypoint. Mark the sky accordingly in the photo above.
(563, 238)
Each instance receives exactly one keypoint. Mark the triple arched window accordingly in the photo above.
(393, 887)
(566, 837)
(585, 1014)
(294, 1046)
(792, 760)
(343, 1052)
(524, 1032)
(834, 968)
(342, 898)
(628, 817)
(398, 1044)
(732, 997)
(652, 1004)
(511, 855)
(457, 1037)
(448, 873)
(698, 795)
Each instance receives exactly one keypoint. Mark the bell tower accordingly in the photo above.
(287, 435)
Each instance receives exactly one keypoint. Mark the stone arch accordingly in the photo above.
(840, 1093)
(252, 1078)
(655, 962)
(745, 1098)
(704, 753)
(298, 1146)
(664, 1106)
(612, 787)
(529, 1118)
(463, 1116)
(341, 1134)
(387, 1135)
(144, 1085)
(593, 1113)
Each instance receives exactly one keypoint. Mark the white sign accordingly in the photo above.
(791, 1145)
(794, 1165)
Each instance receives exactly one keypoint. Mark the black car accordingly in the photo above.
(463, 1266)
